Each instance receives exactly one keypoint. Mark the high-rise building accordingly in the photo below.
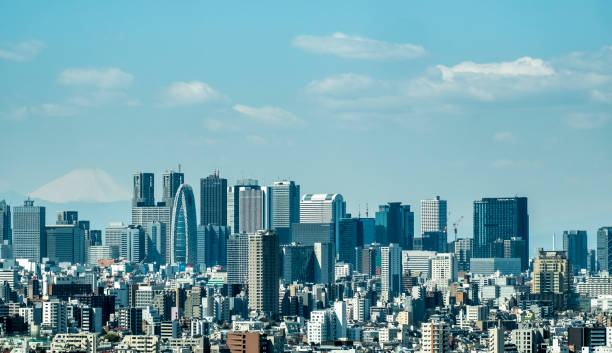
(433, 215)
(133, 244)
(310, 233)
(144, 189)
(324, 262)
(184, 229)
(391, 270)
(395, 224)
(144, 216)
(5, 222)
(213, 200)
(171, 181)
(212, 245)
(500, 219)
(263, 262)
(463, 253)
(65, 243)
(496, 340)
(444, 268)
(29, 236)
(237, 259)
(323, 208)
(298, 262)
(349, 232)
(284, 205)
(604, 248)
(155, 241)
(552, 277)
(435, 337)
(67, 217)
(246, 206)
(575, 245)
(114, 235)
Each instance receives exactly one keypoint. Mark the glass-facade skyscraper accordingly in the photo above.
(29, 236)
(575, 244)
(395, 224)
(213, 200)
(604, 248)
(171, 182)
(184, 231)
(284, 204)
(144, 189)
(500, 219)
(5, 222)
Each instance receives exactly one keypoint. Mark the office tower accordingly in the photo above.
(212, 245)
(144, 190)
(431, 241)
(29, 236)
(592, 262)
(463, 253)
(184, 229)
(133, 244)
(575, 245)
(298, 263)
(67, 217)
(171, 181)
(489, 266)
(245, 206)
(114, 235)
(435, 337)
(323, 208)
(263, 262)
(496, 340)
(324, 262)
(367, 260)
(367, 229)
(552, 277)
(310, 233)
(417, 262)
(395, 224)
(155, 241)
(500, 219)
(99, 252)
(604, 248)
(213, 200)
(391, 270)
(95, 237)
(237, 259)
(144, 216)
(433, 215)
(248, 342)
(66, 243)
(5, 222)
(444, 268)
(349, 232)
(284, 211)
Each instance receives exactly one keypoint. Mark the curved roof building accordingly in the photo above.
(183, 233)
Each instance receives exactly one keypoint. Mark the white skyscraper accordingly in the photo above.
(433, 215)
(246, 206)
(323, 208)
(444, 268)
(391, 270)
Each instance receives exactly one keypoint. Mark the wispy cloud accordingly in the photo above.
(583, 121)
(101, 78)
(504, 136)
(22, 51)
(268, 114)
(338, 84)
(525, 66)
(188, 93)
(46, 109)
(356, 47)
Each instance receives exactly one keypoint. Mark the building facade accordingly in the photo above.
(29, 235)
(213, 200)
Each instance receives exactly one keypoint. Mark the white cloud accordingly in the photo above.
(268, 114)
(22, 51)
(187, 93)
(582, 121)
(525, 66)
(102, 78)
(343, 83)
(503, 136)
(602, 97)
(82, 185)
(355, 47)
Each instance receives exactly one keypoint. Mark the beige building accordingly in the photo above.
(435, 337)
(74, 342)
(264, 272)
(139, 344)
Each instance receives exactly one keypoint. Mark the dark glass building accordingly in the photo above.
(213, 200)
(5, 222)
(144, 190)
(310, 233)
(575, 244)
(500, 219)
(395, 224)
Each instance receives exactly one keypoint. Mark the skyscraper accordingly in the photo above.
(5, 222)
(213, 200)
(391, 270)
(65, 243)
(323, 208)
(433, 215)
(324, 262)
(284, 205)
(144, 190)
(67, 217)
(264, 272)
(395, 224)
(604, 248)
(500, 219)
(133, 244)
(155, 242)
(29, 236)
(237, 259)
(114, 235)
(144, 216)
(245, 206)
(171, 182)
(552, 277)
(183, 231)
(212, 245)
(349, 232)
(297, 263)
(575, 245)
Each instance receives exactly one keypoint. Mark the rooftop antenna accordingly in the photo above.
(179, 168)
(366, 210)
(554, 242)
(359, 213)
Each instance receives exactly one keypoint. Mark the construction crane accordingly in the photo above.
(455, 226)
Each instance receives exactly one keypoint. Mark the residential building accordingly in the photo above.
(263, 279)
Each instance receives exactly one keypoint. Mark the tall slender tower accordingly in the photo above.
(246, 206)
(264, 272)
(604, 244)
(144, 190)
(29, 236)
(184, 230)
(171, 181)
(5, 222)
(213, 200)
(284, 204)
(433, 215)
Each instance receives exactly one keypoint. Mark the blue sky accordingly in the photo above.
(380, 102)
